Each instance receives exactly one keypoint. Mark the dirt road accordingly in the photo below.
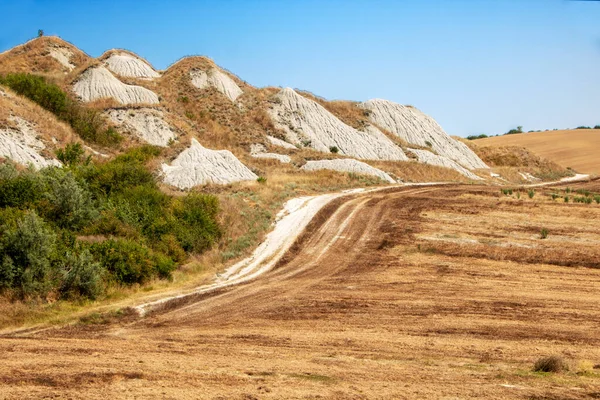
(431, 292)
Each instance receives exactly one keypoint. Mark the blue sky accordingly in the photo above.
(477, 66)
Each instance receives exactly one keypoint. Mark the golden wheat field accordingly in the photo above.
(578, 149)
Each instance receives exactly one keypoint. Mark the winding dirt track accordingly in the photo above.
(356, 309)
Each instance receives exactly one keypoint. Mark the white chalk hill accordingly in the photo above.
(347, 165)
(127, 65)
(98, 82)
(198, 165)
(22, 146)
(427, 157)
(417, 128)
(306, 122)
(217, 79)
(146, 123)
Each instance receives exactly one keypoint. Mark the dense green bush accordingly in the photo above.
(26, 250)
(130, 262)
(82, 275)
(139, 232)
(89, 124)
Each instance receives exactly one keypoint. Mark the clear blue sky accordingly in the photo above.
(477, 66)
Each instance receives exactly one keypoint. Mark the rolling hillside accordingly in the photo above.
(577, 149)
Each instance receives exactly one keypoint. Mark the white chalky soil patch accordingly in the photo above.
(427, 157)
(218, 80)
(417, 128)
(198, 165)
(259, 151)
(145, 123)
(348, 165)
(124, 64)
(307, 123)
(22, 146)
(63, 56)
(98, 82)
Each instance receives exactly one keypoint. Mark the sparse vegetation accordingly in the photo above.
(543, 233)
(531, 193)
(517, 130)
(86, 122)
(550, 364)
(475, 137)
(334, 149)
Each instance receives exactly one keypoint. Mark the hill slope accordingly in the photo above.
(577, 149)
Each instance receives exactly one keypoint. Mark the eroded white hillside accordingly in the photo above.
(428, 157)
(146, 123)
(98, 82)
(347, 165)
(307, 123)
(127, 65)
(21, 145)
(218, 80)
(198, 165)
(62, 55)
(415, 127)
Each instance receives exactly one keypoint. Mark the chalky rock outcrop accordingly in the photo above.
(146, 123)
(416, 128)
(259, 151)
(305, 122)
(21, 145)
(347, 165)
(98, 82)
(127, 65)
(428, 157)
(198, 165)
(63, 56)
(281, 143)
(217, 79)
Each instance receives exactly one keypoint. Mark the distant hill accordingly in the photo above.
(578, 149)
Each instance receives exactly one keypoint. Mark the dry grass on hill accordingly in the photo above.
(577, 149)
(33, 57)
(508, 161)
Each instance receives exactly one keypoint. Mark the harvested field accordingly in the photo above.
(577, 149)
(414, 292)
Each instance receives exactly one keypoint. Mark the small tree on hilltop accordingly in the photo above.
(40, 32)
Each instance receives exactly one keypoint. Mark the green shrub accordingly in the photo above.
(70, 203)
(597, 199)
(27, 246)
(554, 196)
(544, 233)
(129, 262)
(87, 123)
(197, 223)
(82, 276)
(518, 130)
(261, 179)
(531, 193)
(334, 149)
(428, 143)
(566, 199)
(19, 189)
(72, 154)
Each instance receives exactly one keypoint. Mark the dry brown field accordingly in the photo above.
(442, 292)
(578, 149)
